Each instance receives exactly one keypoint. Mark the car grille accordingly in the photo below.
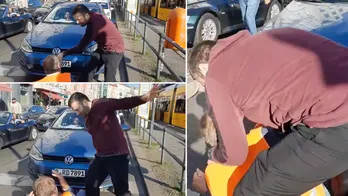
(61, 159)
(45, 50)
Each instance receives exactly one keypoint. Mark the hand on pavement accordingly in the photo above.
(198, 183)
(61, 179)
(152, 94)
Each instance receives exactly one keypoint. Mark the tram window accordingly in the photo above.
(171, 4)
(180, 106)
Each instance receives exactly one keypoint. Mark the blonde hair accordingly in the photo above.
(207, 129)
(45, 186)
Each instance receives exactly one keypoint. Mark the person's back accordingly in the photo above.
(305, 81)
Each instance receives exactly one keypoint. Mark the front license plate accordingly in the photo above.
(66, 63)
(71, 173)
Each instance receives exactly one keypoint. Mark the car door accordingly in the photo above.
(9, 25)
(15, 132)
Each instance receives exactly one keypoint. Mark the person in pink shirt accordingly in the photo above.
(285, 79)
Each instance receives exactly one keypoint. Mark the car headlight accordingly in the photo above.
(90, 50)
(25, 46)
(35, 154)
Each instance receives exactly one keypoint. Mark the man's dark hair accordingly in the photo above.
(81, 9)
(199, 54)
(80, 97)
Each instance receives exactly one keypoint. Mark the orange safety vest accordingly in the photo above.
(61, 77)
(222, 180)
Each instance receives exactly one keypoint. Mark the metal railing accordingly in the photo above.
(128, 18)
(137, 121)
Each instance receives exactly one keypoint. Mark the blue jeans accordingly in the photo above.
(249, 10)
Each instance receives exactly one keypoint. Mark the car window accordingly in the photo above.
(4, 117)
(50, 4)
(56, 110)
(63, 14)
(34, 3)
(38, 109)
(69, 121)
(2, 11)
(104, 5)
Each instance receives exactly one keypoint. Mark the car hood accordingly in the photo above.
(329, 20)
(64, 36)
(65, 142)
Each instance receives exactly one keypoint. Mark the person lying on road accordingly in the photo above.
(46, 186)
(288, 79)
(52, 67)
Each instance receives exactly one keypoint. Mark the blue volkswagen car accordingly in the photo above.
(57, 32)
(67, 148)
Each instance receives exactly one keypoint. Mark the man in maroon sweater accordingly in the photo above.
(286, 79)
(110, 44)
(108, 138)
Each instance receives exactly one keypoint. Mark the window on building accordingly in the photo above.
(180, 105)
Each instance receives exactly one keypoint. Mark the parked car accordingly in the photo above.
(33, 112)
(327, 18)
(13, 21)
(66, 147)
(46, 39)
(207, 19)
(46, 119)
(11, 132)
(105, 5)
(40, 12)
(33, 5)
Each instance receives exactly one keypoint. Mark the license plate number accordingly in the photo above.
(71, 173)
(66, 63)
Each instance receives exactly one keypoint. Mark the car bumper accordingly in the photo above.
(31, 62)
(45, 167)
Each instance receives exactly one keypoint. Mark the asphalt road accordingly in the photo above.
(14, 177)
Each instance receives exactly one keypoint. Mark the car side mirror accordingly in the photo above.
(39, 18)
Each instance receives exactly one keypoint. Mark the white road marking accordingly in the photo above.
(25, 181)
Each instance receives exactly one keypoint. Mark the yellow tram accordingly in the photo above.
(161, 8)
(171, 106)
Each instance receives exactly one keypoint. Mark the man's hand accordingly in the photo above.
(198, 183)
(61, 179)
(152, 94)
(61, 55)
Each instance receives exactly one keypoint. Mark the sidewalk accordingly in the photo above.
(142, 68)
(161, 179)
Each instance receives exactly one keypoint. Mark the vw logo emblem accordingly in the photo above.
(69, 160)
(55, 51)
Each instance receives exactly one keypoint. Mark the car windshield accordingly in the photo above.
(49, 4)
(69, 121)
(4, 117)
(104, 5)
(56, 110)
(2, 11)
(63, 14)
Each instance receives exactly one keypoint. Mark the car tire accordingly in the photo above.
(34, 132)
(274, 9)
(213, 22)
(29, 26)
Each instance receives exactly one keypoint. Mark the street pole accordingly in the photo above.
(138, 15)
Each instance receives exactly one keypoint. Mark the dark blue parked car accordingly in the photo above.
(67, 148)
(328, 18)
(33, 112)
(57, 32)
(14, 20)
(207, 19)
(16, 131)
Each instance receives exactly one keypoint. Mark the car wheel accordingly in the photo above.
(29, 26)
(34, 132)
(273, 10)
(208, 28)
